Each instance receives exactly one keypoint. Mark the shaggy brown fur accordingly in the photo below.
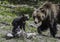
(48, 16)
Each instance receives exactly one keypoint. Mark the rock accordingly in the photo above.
(31, 35)
(9, 36)
(33, 25)
(21, 33)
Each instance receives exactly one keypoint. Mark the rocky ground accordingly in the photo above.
(39, 38)
(7, 17)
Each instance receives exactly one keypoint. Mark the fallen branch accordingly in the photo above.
(28, 35)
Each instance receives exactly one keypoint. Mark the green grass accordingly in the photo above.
(6, 16)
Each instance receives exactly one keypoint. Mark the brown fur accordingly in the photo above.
(48, 16)
(42, 12)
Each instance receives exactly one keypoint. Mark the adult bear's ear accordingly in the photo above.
(42, 10)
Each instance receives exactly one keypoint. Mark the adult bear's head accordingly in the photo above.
(38, 15)
(42, 13)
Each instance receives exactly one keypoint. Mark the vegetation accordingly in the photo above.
(27, 1)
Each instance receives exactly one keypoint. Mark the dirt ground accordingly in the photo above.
(40, 38)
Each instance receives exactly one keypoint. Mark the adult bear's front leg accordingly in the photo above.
(53, 28)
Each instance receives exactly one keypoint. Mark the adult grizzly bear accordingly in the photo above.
(48, 16)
